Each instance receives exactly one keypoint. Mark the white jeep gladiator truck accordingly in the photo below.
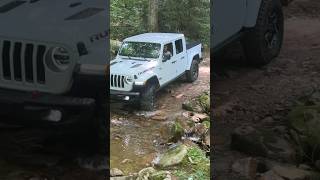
(257, 23)
(147, 62)
(53, 55)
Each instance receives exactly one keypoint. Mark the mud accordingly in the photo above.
(245, 96)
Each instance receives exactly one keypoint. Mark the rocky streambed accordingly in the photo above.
(171, 142)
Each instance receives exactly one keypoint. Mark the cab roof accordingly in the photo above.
(154, 37)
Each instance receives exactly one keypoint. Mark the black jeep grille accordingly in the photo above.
(117, 81)
(23, 62)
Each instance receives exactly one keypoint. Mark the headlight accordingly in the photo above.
(129, 79)
(58, 59)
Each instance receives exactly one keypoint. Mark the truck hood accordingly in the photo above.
(131, 67)
(53, 20)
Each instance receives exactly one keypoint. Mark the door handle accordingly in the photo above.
(173, 62)
(182, 58)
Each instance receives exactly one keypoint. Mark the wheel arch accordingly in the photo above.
(153, 80)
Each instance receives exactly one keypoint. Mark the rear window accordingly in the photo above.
(179, 47)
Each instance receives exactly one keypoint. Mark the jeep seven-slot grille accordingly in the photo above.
(117, 81)
(23, 62)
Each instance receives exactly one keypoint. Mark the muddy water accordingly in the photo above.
(136, 139)
(135, 142)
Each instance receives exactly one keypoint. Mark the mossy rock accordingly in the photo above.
(187, 105)
(160, 175)
(305, 122)
(204, 101)
(173, 156)
(261, 142)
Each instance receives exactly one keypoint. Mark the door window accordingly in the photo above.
(168, 50)
(179, 46)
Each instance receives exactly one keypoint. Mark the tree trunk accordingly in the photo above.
(153, 16)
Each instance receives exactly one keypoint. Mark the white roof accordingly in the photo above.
(154, 37)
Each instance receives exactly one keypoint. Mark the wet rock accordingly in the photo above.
(116, 172)
(262, 142)
(246, 167)
(270, 175)
(173, 156)
(126, 161)
(291, 173)
(159, 117)
(177, 131)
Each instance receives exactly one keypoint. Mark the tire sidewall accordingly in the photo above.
(147, 99)
(255, 45)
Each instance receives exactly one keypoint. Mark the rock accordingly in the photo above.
(199, 117)
(173, 156)
(196, 117)
(179, 96)
(305, 124)
(146, 173)
(262, 142)
(270, 175)
(177, 131)
(246, 167)
(161, 175)
(159, 117)
(204, 101)
(207, 139)
(268, 120)
(187, 105)
(305, 167)
(126, 161)
(200, 129)
(124, 178)
(291, 173)
(116, 172)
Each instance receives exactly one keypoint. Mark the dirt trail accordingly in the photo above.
(245, 95)
(136, 139)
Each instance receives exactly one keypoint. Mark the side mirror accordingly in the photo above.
(115, 52)
(166, 57)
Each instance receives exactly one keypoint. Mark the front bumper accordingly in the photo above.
(83, 93)
(124, 95)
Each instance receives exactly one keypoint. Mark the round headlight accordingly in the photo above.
(129, 79)
(59, 59)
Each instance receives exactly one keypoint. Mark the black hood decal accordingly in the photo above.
(137, 65)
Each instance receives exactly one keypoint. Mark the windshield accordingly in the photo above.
(140, 49)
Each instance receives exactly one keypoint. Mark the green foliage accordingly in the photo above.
(191, 17)
(127, 18)
(195, 166)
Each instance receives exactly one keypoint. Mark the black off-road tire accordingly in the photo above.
(147, 99)
(263, 42)
(193, 73)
